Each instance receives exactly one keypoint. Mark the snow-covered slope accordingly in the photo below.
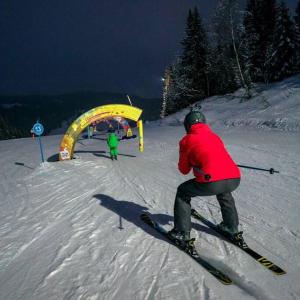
(274, 107)
(71, 230)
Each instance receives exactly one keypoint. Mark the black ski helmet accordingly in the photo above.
(193, 117)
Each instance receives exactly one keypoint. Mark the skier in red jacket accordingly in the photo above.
(215, 174)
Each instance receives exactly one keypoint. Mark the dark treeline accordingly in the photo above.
(238, 48)
(18, 113)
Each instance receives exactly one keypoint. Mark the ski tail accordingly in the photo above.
(259, 258)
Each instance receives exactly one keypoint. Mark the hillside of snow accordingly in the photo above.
(71, 230)
(276, 106)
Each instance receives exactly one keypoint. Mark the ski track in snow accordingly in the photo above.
(71, 230)
(79, 249)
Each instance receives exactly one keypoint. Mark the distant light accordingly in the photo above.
(163, 79)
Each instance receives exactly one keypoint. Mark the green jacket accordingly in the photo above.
(112, 140)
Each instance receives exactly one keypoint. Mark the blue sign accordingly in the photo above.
(38, 129)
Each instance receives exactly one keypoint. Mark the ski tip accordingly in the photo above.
(280, 272)
(223, 278)
(227, 282)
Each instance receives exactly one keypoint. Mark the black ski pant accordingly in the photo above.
(191, 188)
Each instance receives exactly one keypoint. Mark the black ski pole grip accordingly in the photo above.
(272, 171)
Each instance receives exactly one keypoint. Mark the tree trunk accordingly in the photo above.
(245, 86)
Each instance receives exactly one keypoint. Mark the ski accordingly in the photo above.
(259, 258)
(190, 250)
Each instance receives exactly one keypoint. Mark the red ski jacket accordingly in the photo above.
(204, 151)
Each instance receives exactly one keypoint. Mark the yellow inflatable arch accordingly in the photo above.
(101, 112)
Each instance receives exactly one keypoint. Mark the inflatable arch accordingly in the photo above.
(101, 112)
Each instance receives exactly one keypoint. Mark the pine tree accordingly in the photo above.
(251, 37)
(284, 56)
(173, 99)
(259, 22)
(297, 37)
(222, 72)
(227, 34)
(221, 59)
(193, 81)
(170, 92)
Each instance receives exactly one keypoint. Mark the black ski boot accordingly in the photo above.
(235, 238)
(238, 240)
(182, 239)
(224, 230)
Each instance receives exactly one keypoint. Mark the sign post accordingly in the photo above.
(38, 129)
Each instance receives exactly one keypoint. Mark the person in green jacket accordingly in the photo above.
(113, 142)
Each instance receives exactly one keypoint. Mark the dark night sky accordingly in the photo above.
(55, 46)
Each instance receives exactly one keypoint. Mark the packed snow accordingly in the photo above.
(71, 230)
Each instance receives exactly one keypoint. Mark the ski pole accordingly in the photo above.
(129, 99)
(271, 171)
(41, 148)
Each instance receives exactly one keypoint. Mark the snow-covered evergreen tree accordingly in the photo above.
(222, 72)
(259, 25)
(251, 37)
(222, 66)
(283, 57)
(172, 97)
(297, 37)
(228, 65)
(166, 103)
(192, 80)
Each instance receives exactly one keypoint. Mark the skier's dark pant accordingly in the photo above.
(191, 188)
